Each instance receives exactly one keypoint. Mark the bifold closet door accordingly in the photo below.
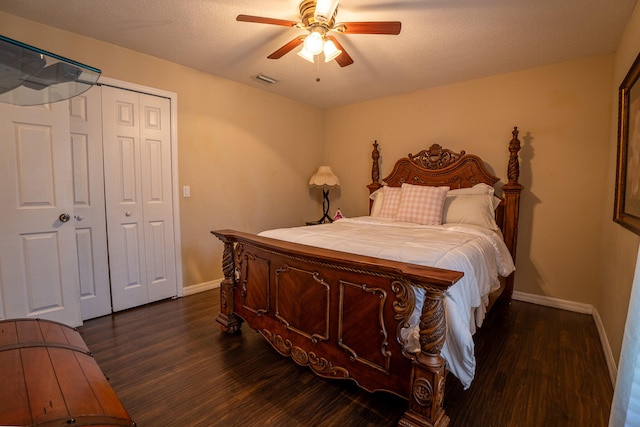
(85, 114)
(137, 157)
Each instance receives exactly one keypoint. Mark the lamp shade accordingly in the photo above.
(306, 55)
(331, 52)
(314, 43)
(324, 178)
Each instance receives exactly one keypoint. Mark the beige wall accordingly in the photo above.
(246, 154)
(563, 113)
(619, 246)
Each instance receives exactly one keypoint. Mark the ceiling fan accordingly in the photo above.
(318, 17)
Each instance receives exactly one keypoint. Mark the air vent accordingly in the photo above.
(266, 79)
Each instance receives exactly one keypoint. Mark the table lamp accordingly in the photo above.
(326, 180)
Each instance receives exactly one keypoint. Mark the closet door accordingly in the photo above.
(85, 112)
(157, 196)
(137, 144)
(38, 258)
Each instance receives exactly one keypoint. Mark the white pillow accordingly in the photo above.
(496, 202)
(421, 204)
(377, 197)
(474, 209)
(480, 188)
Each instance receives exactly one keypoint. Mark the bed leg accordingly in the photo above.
(229, 321)
(429, 369)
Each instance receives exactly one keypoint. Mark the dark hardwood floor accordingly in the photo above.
(171, 366)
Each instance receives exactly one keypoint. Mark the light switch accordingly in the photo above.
(186, 191)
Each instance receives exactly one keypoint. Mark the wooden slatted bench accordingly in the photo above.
(49, 378)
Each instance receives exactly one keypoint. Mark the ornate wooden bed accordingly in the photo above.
(341, 314)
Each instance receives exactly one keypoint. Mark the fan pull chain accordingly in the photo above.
(317, 63)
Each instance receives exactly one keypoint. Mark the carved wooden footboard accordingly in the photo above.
(341, 315)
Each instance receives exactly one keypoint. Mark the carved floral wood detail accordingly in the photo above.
(227, 318)
(456, 170)
(429, 373)
(435, 157)
(320, 365)
(432, 324)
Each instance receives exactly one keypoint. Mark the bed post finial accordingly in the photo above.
(375, 172)
(513, 170)
(375, 167)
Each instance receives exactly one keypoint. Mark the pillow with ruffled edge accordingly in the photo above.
(421, 204)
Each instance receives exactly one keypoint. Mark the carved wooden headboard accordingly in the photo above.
(440, 166)
(437, 166)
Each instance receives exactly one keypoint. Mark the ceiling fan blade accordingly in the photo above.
(343, 59)
(382, 27)
(263, 20)
(287, 48)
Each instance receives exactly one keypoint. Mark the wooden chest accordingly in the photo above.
(49, 378)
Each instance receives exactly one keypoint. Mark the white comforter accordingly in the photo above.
(478, 252)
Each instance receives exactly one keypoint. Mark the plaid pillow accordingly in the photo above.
(421, 204)
(390, 202)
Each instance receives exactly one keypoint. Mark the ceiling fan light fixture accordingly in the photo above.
(331, 52)
(306, 55)
(318, 17)
(314, 43)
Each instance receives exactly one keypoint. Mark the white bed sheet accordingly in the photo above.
(478, 252)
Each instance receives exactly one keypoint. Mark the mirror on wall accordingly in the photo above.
(627, 193)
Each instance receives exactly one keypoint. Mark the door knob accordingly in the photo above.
(64, 217)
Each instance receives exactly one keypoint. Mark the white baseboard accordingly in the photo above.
(562, 304)
(608, 354)
(201, 287)
(578, 308)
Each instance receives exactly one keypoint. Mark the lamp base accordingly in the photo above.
(325, 207)
(325, 219)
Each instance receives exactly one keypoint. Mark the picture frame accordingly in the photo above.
(627, 191)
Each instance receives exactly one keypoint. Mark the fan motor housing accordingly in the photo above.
(308, 11)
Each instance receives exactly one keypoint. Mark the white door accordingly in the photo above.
(138, 189)
(157, 196)
(38, 257)
(85, 112)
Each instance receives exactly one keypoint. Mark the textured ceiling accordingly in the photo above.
(441, 42)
